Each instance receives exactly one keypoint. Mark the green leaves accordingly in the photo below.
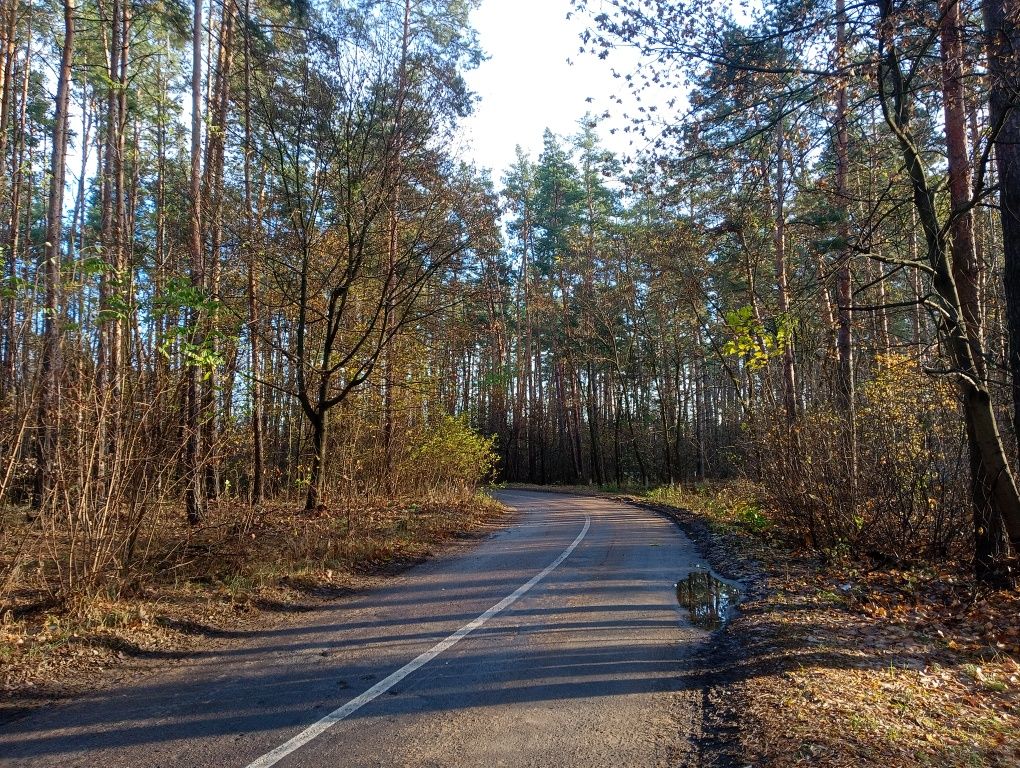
(756, 341)
(181, 294)
(115, 307)
(202, 353)
(93, 266)
(195, 349)
(14, 287)
(203, 356)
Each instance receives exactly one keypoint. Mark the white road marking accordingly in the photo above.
(317, 729)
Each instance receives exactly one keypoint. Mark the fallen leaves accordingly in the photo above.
(850, 668)
(236, 576)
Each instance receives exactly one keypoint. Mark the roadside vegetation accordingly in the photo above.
(241, 266)
(188, 586)
(845, 661)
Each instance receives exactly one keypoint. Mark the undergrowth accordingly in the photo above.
(723, 504)
(230, 570)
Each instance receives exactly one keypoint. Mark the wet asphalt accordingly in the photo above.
(585, 668)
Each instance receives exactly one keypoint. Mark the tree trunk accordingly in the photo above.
(844, 295)
(393, 241)
(782, 279)
(8, 180)
(315, 475)
(14, 232)
(996, 500)
(845, 396)
(597, 470)
(967, 275)
(1002, 31)
(8, 49)
(966, 269)
(254, 347)
(49, 407)
(194, 496)
(214, 418)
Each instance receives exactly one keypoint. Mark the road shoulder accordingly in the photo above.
(832, 664)
(49, 660)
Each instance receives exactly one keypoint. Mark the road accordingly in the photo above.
(555, 642)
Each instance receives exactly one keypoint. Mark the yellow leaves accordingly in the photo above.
(449, 451)
(901, 390)
(903, 409)
(754, 340)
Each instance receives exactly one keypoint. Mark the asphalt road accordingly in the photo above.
(555, 642)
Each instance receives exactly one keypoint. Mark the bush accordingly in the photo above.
(448, 455)
(905, 497)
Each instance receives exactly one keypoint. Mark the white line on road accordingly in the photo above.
(352, 706)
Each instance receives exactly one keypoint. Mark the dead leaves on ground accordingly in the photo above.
(233, 574)
(881, 668)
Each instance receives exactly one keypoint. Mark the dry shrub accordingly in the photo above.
(431, 458)
(113, 470)
(115, 485)
(114, 523)
(906, 495)
(15, 473)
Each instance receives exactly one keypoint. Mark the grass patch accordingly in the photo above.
(729, 505)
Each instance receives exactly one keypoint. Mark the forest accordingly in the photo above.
(247, 272)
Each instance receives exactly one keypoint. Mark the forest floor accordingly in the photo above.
(199, 585)
(838, 664)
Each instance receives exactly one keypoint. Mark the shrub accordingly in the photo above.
(448, 455)
(906, 495)
(734, 503)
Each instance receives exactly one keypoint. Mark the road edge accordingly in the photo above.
(719, 661)
(128, 669)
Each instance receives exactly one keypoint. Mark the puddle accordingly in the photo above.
(708, 600)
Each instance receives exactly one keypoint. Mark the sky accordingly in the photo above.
(527, 84)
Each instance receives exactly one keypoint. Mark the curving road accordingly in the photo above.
(555, 642)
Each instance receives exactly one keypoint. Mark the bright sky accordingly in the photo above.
(527, 84)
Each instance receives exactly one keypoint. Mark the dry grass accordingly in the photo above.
(198, 584)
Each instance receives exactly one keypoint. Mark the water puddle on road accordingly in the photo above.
(708, 600)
